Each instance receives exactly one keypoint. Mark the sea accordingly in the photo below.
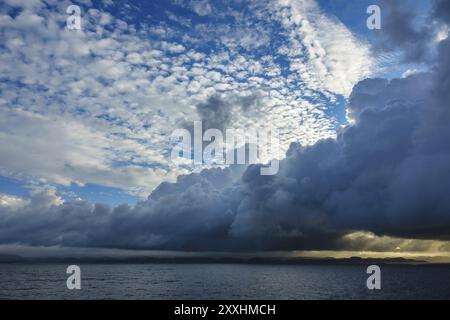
(222, 281)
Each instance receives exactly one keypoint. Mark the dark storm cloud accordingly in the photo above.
(441, 10)
(215, 113)
(404, 30)
(401, 31)
(388, 173)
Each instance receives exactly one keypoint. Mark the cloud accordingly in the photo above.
(441, 10)
(411, 35)
(387, 173)
(11, 201)
(65, 151)
(110, 94)
(401, 30)
(215, 113)
(369, 242)
(201, 7)
(321, 50)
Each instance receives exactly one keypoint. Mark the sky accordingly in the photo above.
(87, 117)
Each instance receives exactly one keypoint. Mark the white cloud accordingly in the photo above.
(12, 201)
(409, 72)
(201, 7)
(322, 51)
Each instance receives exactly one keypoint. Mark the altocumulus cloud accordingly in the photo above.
(107, 96)
(387, 173)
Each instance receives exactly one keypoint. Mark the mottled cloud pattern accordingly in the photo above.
(387, 173)
(110, 94)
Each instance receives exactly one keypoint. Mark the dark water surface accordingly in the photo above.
(222, 281)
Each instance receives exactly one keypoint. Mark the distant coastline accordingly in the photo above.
(217, 260)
